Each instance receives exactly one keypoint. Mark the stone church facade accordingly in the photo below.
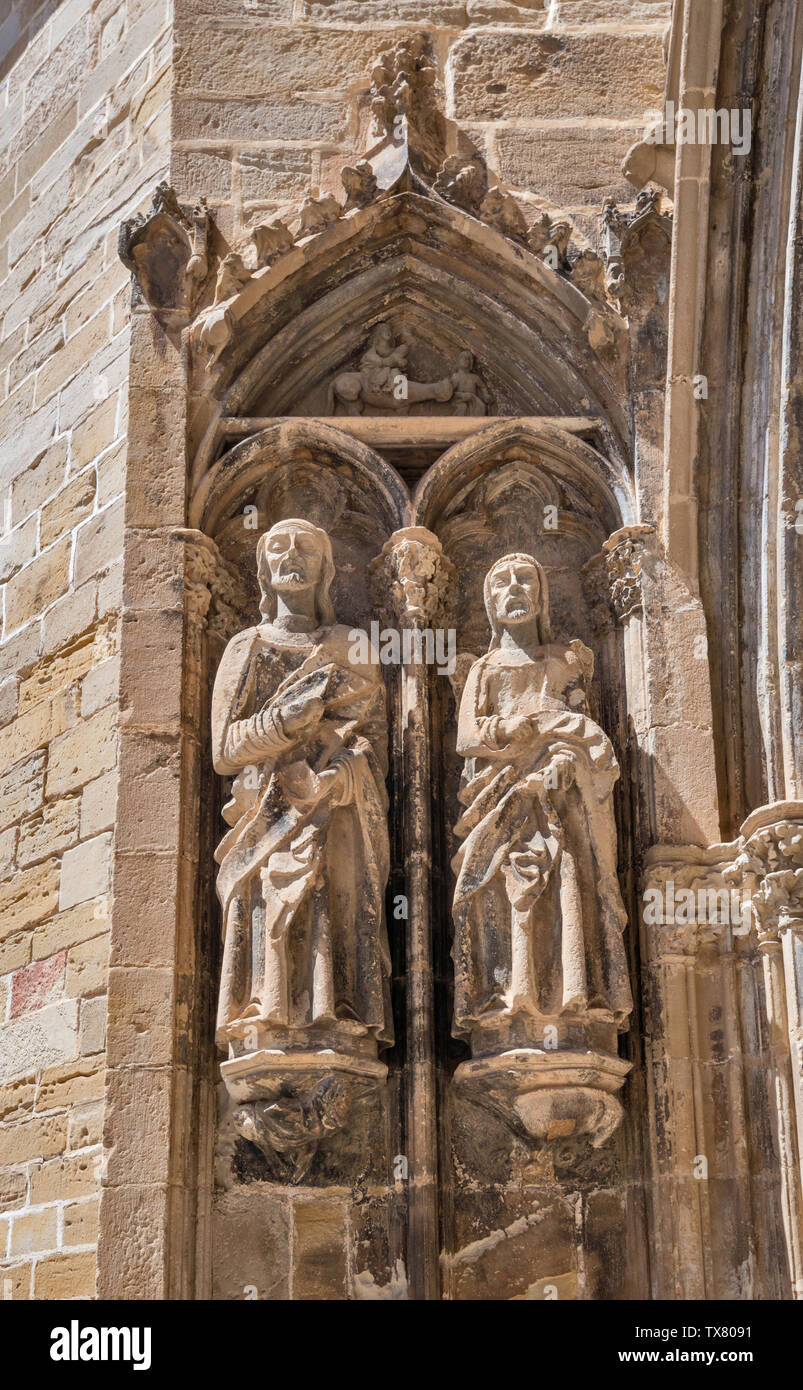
(401, 825)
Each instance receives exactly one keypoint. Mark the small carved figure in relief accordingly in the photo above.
(271, 240)
(500, 210)
(317, 213)
(537, 909)
(588, 273)
(301, 728)
(463, 182)
(218, 328)
(550, 240)
(382, 380)
(359, 181)
(470, 394)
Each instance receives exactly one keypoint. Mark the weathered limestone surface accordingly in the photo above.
(367, 281)
(84, 131)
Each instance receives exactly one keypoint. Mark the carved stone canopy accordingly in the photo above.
(166, 251)
(638, 252)
(613, 578)
(545, 1096)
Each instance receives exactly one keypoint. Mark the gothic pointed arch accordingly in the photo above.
(445, 282)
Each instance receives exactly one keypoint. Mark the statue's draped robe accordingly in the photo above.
(302, 871)
(536, 861)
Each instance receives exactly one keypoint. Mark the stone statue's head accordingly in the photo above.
(516, 593)
(295, 554)
(382, 338)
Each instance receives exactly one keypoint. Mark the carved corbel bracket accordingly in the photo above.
(288, 1104)
(652, 159)
(549, 1096)
(166, 252)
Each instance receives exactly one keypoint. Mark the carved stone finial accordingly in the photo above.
(403, 83)
(198, 265)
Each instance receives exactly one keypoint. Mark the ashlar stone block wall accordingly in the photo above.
(553, 91)
(84, 130)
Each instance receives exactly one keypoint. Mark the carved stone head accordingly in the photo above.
(516, 592)
(382, 338)
(295, 555)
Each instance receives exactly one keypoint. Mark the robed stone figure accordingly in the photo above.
(537, 909)
(301, 728)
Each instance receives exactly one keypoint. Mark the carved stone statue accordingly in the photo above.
(537, 908)
(301, 728)
(541, 980)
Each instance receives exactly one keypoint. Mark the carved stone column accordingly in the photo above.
(412, 578)
(669, 684)
(771, 869)
(639, 247)
(723, 935)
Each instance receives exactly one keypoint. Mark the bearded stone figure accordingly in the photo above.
(301, 728)
(537, 908)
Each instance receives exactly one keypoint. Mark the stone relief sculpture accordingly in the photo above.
(538, 953)
(301, 728)
(382, 382)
